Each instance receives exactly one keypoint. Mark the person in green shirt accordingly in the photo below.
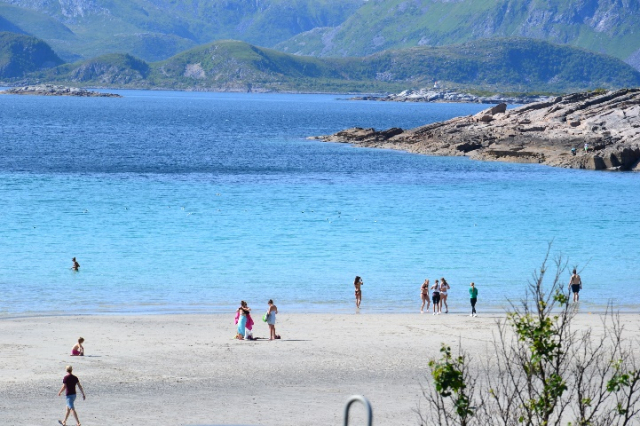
(473, 293)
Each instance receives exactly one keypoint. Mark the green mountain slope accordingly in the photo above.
(157, 29)
(113, 69)
(21, 54)
(606, 26)
(503, 65)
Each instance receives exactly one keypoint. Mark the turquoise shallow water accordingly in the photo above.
(187, 202)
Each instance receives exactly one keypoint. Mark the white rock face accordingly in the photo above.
(194, 71)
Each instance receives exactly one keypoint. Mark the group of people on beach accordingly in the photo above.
(439, 296)
(440, 293)
(245, 323)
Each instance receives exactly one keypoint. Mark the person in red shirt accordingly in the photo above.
(69, 385)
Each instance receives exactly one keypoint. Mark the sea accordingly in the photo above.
(187, 202)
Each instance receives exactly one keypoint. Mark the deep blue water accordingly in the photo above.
(189, 202)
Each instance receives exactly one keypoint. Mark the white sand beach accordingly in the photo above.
(188, 369)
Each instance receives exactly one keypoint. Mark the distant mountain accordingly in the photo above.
(605, 26)
(22, 54)
(501, 65)
(158, 29)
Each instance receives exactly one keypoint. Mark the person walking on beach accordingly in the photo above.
(69, 385)
(473, 295)
(444, 287)
(424, 294)
(76, 265)
(435, 298)
(271, 320)
(575, 285)
(78, 349)
(357, 283)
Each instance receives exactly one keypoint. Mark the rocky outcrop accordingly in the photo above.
(427, 95)
(51, 90)
(598, 131)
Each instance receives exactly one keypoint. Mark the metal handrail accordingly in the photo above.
(366, 404)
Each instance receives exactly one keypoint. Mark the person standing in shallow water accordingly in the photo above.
(424, 294)
(473, 297)
(357, 283)
(575, 285)
(76, 265)
(69, 387)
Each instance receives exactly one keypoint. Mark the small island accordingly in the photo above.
(53, 90)
(592, 130)
(452, 96)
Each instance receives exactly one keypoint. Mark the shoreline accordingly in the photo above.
(459, 307)
(588, 309)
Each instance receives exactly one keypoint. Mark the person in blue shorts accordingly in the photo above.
(69, 384)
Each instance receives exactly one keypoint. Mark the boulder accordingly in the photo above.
(389, 133)
(498, 109)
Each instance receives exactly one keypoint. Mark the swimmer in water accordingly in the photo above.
(76, 265)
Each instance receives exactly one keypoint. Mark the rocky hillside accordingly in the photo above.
(113, 70)
(511, 65)
(158, 29)
(21, 54)
(555, 133)
(605, 26)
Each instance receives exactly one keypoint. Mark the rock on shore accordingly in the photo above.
(426, 95)
(52, 90)
(543, 132)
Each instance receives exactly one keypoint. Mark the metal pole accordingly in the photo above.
(366, 404)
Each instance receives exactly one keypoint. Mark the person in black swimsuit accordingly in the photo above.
(357, 283)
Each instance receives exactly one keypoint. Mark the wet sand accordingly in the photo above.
(188, 369)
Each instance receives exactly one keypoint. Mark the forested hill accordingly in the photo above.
(521, 65)
(605, 26)
(21, 54)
